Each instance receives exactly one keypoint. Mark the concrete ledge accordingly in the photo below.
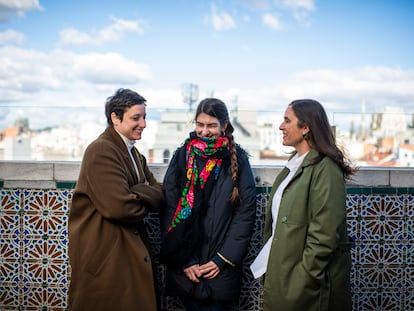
(21, 174)
(372, 176)
(402, 178)
(19, 170)
(29, 184)
(66, 171)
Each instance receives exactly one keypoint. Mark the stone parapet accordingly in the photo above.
(21, 174)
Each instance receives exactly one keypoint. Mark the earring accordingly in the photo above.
(305, 136)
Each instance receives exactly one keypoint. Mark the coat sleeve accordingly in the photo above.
(327, 205)
(150, 192)
(104, 180)
(244, 214)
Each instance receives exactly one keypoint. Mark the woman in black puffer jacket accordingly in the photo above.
(208, 222)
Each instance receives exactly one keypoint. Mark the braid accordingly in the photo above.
(234, 197)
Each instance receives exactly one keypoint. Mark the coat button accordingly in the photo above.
(136, 232)
(146, 258)
(284, 219)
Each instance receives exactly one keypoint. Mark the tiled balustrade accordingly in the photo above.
(34, 208)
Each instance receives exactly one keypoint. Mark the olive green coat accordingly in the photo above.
(108, 244)
(309, 263)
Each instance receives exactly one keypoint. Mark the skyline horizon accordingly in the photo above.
(154, 113)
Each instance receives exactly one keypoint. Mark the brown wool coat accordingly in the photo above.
(108, 245)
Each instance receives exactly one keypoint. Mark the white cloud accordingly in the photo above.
(369, 81)
(11, 36)
(24, 72)
(377, 86)
(221, 21)
(272, 21)
(339, 91)
(162, 98)
(27, 75)
(301, 9)
(256, 4)
(17, 7)
(64, 78)
(114, 32)
(306, 5)
(72, 36)
(109, 68)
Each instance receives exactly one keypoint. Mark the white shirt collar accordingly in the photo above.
(128, 142)
(294, 163)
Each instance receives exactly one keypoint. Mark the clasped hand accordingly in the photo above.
(206, 271)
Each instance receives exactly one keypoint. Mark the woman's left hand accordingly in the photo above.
(209, 270)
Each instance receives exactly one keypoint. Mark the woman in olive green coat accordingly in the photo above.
(306, 259)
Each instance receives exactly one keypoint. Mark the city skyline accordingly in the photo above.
(380, 139)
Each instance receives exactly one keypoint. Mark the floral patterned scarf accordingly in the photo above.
(211, 149)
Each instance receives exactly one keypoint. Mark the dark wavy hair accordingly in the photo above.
(120, 101)
(321, 137)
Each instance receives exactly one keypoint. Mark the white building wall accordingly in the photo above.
(17, 148)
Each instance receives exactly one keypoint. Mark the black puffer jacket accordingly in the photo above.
(226, 229)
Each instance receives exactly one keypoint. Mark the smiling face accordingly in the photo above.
(292, 133)
(208, 126)
(133, 122)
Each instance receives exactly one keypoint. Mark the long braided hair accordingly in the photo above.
(216, 108)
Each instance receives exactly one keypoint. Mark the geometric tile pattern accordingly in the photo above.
(35, 271)
(34, 265)
(382, 226)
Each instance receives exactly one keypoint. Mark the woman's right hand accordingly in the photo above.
(193, 273)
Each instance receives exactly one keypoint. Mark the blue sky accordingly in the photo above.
(260, 54)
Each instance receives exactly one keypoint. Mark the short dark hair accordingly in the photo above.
(122, 99)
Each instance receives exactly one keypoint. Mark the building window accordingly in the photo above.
(166, 156)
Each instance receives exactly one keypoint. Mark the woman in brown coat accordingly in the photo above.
(108, 245)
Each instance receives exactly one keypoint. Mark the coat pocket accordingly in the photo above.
(100, 256)
(291, 238)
